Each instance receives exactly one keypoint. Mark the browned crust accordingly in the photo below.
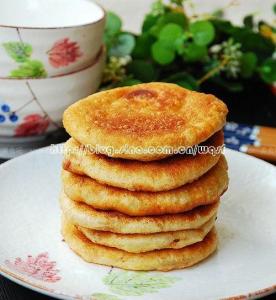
(85, 216)
(145, 115)
(162, 260)
(162, 175)
(206, 190)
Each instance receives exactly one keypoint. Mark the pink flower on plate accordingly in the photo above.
(63, 53)
(33, 124)
(38, 267)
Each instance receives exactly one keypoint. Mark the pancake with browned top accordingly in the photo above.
(206, 190)
(154, 176)
(136, 122)
(162, 260)
(137, 243)
(85, 216)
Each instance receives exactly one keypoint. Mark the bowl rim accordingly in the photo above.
(102, 19)
(100, 55)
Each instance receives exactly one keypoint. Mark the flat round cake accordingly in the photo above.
(206, 190)
(161, 260)
(85, 216)
(144, 122)
(137, 243)
(153, 176)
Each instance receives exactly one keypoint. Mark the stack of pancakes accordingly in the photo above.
(129, 198)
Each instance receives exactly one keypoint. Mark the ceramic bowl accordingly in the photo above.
(44, 38)
(34, 107)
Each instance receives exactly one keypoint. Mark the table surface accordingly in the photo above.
(12, 291)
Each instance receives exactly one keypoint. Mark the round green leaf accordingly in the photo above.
(203, 32)
(142, 47)
(268, 70)
(113, 24)
(170, 33)
(149, 21)
(171, 17)
(123, 46)
(248, 64)
(193, 52)
(161, 54)
(142, 70)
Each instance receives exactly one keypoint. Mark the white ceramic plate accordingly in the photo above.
(33, 254)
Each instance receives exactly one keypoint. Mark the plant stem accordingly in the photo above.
(213, 71)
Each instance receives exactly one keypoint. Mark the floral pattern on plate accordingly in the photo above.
(38, 267)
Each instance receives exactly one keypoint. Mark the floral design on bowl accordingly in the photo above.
(34, 107)
(64, 52)
(33, 124)
(32, 45)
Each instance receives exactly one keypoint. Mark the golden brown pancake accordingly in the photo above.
(84, 215)
(162, 260)
(137, 243)
(143, 117)
(162, 175)
(206, 190)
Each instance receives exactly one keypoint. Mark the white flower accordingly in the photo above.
(230, 53)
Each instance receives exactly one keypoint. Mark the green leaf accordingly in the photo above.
(142, 47)
(158, 8)
(193, 52)
(137, 283)
(18, 51)
(177, 2)
(248, 21)
(149, 21)
(103, 296)
(248, 64)
(170, 33)
(268, 70)
(171, 17)
(274, 8)
(162, 54)
(113, 24)
(203, 32)
(123, 46)
(142, 70)
(128, 82)
(29, 69)
(223, 27)
(183, 79)
(254, 42)
(180, 43)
